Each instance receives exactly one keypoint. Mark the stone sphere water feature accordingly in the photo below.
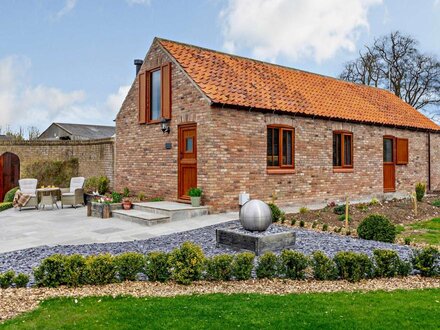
(255, 215)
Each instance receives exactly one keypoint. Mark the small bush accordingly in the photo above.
(302, 223)
(103, 184)
(339, 209)
(427, 261)
(9, 196)
(195, 192)
(292, 264)
(292, 222)
(129, 265)
(277, 214)
(157, 267)
(51, 271)
(187, 263)
(342, 218)
(374, 201)
(267, 266)
(6, 279)
(377, 227)
(325, 227)
(101, 269)
(407, 241)
(353, 266)
(436, 203)
(116, 197)
(420, 191)
(21, 280)
(323, 267)
(219, 268)
(5, 206)
(387, 263)
(314, 224)
(126, 192)
(141, 196)
(303, 210)
(242, 266)
(74, 270)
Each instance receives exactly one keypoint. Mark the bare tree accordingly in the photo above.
(33, 133)
(394, 62)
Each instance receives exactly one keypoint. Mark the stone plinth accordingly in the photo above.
(273, 239)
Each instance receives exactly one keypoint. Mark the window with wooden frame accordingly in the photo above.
(154, 102)
(342, 150)
(280, 149)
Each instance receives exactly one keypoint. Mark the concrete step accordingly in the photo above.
(173, 210)
(141, 217)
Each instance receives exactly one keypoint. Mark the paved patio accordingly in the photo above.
(32, 228)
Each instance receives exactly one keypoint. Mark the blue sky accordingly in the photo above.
(72, 60)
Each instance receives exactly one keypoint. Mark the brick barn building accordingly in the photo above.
(241, 125)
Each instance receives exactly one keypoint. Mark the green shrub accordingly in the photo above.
(292, 264)
(51, 271)
(157, 266)
(387, 263)
(325, 227)
(242, 266)
(377, 227)
(116, 197)
(302, 223)
(267, 266)
(91, 184)
(141, 196)
(323, 267)
(187, 263)
(195, 192)
(314, 224)
(292, 222)
(427, 261)
(9, 196)
(353, 266)
(129, 265)
(407, 240)
(374, 201)
(5, 206)
(126, 192)
(342, 218)
(277, 214)
(420, 191)
(339, 209)
(436, 203)
(219, 268)
(101, 269)
(49, 172)
(74, 270)
(21, 280)
(303, 210)
(103, 184)
(156, 199)
(6, 279)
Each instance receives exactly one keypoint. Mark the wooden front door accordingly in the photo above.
(187, 176)
(9, 173)
(389, 164)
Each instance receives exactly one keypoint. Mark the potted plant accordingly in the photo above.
(196, 195)
(126, 203)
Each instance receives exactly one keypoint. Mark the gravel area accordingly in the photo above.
(16, 301)
(308, 241)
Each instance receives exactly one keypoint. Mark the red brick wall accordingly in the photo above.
(232, 152)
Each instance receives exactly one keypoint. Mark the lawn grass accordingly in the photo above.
(429, 232)
(417, 309)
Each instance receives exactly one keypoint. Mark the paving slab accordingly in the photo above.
(32, 228)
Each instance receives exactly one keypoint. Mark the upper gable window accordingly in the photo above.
(280, 147)
(154, 100)
(342, 150)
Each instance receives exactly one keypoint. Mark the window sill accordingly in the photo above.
(151, 122)
(343, 170)
(280, 171)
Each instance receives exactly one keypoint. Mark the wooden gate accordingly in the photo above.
(9, 173)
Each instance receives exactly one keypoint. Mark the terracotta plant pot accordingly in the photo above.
(126, 205)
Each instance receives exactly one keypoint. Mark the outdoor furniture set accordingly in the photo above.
(29, 195)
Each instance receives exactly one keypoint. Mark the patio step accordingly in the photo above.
(141, 217)
(173, 210)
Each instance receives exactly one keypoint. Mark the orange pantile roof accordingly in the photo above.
(237, 81)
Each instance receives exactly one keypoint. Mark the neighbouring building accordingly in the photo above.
(228, 124)
(63, 131)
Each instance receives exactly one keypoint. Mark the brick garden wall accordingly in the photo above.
(96, 157)
(232, 152)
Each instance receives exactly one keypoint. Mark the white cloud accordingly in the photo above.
(139, 2)
(25, 104)
(69, 5)
(294, 28)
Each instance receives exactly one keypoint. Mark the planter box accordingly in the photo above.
(102, 210)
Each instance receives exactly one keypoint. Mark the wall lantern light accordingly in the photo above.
(165, 125)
